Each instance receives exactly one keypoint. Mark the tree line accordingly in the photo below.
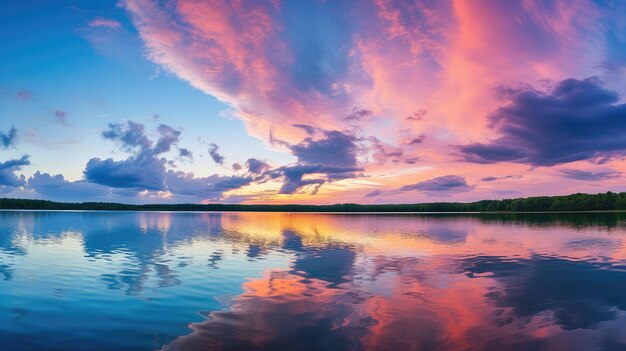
(576, 202)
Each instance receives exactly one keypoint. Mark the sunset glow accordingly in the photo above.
(376, 101)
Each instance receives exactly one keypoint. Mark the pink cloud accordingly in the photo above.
(416, 79)
(104, 22)
(234, 51)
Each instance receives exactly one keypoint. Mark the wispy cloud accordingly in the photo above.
(590, 175)
(440, 185)
(104, 22)
(24, 95)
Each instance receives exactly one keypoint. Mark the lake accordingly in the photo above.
(280, 281)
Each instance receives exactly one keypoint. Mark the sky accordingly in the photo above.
(320, 101)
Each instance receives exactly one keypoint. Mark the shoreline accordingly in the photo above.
(319, 212)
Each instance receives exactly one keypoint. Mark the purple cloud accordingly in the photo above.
(384, 152)
(418, 140)
(357, 114)
(293, 176)
(439, 185)
(332, 157)
(417, 115)
(491, 178)
(579, 174)
(215, 154)
(310, 130)
(336, 148)
(577, 120)
(278, 142)
(373, 193)
(411, 160)
(256, 166)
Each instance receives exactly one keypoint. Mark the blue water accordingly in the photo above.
(272, 281)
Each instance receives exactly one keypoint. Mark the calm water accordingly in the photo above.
(263, 281)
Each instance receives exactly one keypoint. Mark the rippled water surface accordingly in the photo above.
(278, 281)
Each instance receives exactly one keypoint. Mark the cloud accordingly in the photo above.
(185, 153)
(8, 169)
(8, 140)
(384, 152)
(104, 22)
(439, 185)
(294, 176)
(144, 169)
(244, 55)
(577, 120)
(358, 114)
(132, 137)
(310, 130)
(129, 136)
(373, 193)
(277, 142)
(256, 166)
(207, 188)
(417, 140)
(310, 67)
(491, 178)
(417, 115)
(168, 137)
(335, 148)
(329, 158)
(215, 154)
(61, 116)
(237, 166)
(56, 188)
(590, 175)
(141, 171)
(24, 95)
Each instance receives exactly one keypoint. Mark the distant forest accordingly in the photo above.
(576, 202)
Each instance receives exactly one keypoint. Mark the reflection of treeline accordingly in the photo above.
(575, 202)
(598, 219)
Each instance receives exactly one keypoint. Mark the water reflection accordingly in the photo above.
(577, 294)
(264, 281)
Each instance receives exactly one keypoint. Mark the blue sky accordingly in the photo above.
(97, 76)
